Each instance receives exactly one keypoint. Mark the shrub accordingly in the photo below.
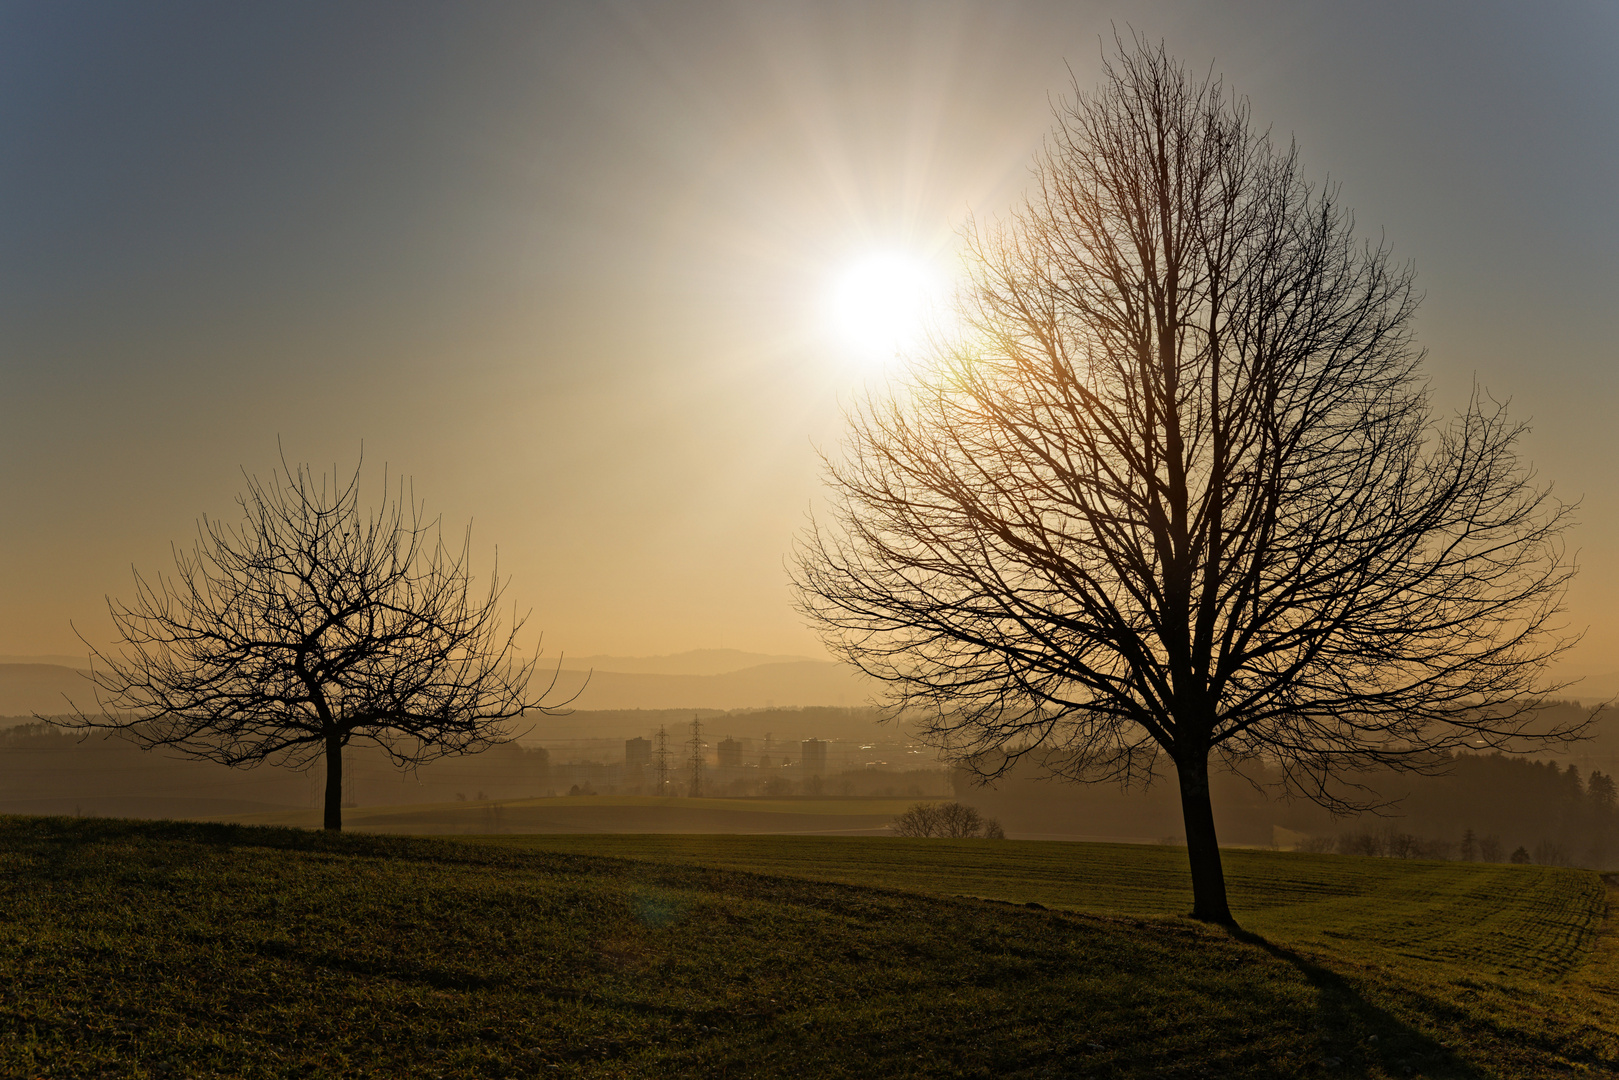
(958, 820)
(950, 819)
(1550, 854)
(920, 820)
(1365, 843)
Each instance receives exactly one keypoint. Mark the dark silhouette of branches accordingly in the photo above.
(1176, 487)
(951, 819)
(308, 624)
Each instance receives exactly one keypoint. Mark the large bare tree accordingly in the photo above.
(1175, 488)
(310, 623)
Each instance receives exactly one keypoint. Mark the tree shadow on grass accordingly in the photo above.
(1355, 1036)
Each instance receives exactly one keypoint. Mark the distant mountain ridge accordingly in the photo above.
(699, 679)
(696, 679)
(791, 685)
(45, 689)
(691, 662)
(1594, 687)
(55, 660)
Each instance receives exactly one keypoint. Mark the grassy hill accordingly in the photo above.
(165, 949)
(1498, 917)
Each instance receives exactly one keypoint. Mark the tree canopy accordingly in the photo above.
(1174, 487)
(310, 623)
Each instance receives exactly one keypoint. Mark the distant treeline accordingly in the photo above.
(1491, 807)
(49, 770)
(46, 769)
(1481, 806)
(1393, 843)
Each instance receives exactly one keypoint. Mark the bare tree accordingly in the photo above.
(1175, 489)
(309, 624)
(951, 819)
(921, 819)
(958, 820)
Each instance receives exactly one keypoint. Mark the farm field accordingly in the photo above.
(608, 814)
(167, 949)
(1437, 912)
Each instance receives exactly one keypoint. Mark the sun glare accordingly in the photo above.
(882, 302)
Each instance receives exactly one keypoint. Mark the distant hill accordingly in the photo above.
(693, 662)
(42, 688)
(794, 684)
(59, 659)
(702, 679)
(1595, 688)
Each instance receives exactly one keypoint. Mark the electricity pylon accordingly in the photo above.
(661, 757)
(696, 758)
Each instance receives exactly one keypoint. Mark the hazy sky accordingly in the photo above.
(568, 265)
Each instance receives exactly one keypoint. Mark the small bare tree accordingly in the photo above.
(307, 625)
(958, 820)
(951, 819)
(920, 819)
(1175, 490)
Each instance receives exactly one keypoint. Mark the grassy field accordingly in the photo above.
(167, 950)
(1539, 922)
(609, 814)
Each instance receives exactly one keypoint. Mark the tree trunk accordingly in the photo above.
(1202, 846)
(334, 780)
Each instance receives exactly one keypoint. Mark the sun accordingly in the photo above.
(882, 303)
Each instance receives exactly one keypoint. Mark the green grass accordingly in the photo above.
(166, 950)
(1497, 918)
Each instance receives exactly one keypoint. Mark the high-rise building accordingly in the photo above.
(812, 757)
(730, 754)
(637, 752)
